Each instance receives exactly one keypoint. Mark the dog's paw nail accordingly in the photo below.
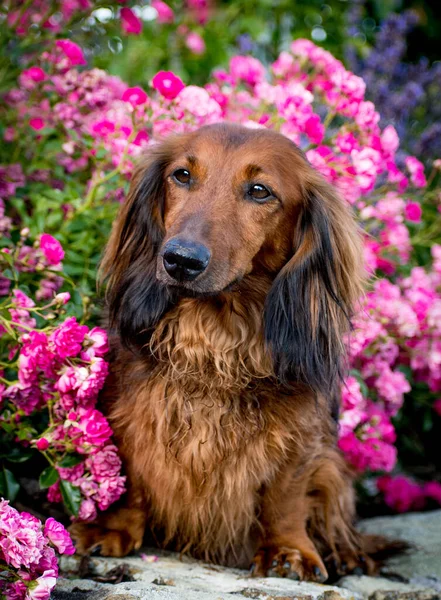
(274, 563)
(287, 565)
(293, 575)
(343, 567)
(320, 577)
(96, 551)
(357, 571)
(253, 568)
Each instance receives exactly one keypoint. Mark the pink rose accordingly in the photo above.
(87, 510)
(416, 170)
(433, 490)
(135, 96)
(110, 491)
(36, 123)
(129, 22)
(29, 78)
(96, 343)
(94, 427)
(165, 13)
(247, 69)
(102, 128)
(195, 43)
(413, 212)
(72, 51)
(390, 140)
(401, 493)
(44, 587)
(51, 248)
(167, 84)
(105, 463)
(68, 337)
(59, 537)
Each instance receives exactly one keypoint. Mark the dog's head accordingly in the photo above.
(206, 210)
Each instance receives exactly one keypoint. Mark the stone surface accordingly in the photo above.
(380, 588)
(171, 579)
(423, 532)
(412, 576)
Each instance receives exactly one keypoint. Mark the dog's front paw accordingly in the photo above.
(304, 565)
(92, 539)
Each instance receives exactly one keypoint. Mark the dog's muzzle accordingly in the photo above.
(185, 260)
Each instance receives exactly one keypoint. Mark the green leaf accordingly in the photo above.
(71, 497)
(48, 477)
(71, 460)
(9, 486)
(19, 455)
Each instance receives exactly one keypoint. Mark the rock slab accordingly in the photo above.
(169, 578)
(412, 576)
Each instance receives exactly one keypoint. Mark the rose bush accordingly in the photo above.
(28, 563)
(71, 136)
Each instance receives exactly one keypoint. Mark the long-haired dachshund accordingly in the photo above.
(231, 274)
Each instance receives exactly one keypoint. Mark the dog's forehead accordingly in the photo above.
(237, 147)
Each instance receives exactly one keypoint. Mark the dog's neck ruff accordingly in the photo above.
(212, 343)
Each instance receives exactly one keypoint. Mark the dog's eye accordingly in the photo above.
(259, 192)
(182, 176)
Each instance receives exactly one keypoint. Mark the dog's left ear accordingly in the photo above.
(310, 303)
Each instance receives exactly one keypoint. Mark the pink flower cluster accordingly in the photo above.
(65, 370)
(403, 494)
(60, 369)
(28, 563)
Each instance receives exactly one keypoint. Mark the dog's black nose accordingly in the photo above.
(185, 260)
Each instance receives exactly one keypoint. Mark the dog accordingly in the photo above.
(232, 271)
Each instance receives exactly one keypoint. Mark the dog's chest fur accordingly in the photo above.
(200, 427)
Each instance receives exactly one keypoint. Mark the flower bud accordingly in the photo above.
(42, 444)
(62, 298)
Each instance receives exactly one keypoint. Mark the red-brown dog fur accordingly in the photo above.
(221, 390)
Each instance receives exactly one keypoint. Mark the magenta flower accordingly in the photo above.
(130, 23)
(247, 69)
(167, 84)
(165, 13)
(110, 491)
(413, 212)
(135, 96)
(94, 428)
(103, 128)
(58, 536)
(51, 248)
(416, 170)
(401, 493)
(67, 339)
(105, 463)
(37, 123)
(72, 51)
(42, 444)
(31, 77)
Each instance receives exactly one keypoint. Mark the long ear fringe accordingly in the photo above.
(310, 303)
(135, 299)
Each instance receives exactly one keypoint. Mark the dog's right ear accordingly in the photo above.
(135, 299)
